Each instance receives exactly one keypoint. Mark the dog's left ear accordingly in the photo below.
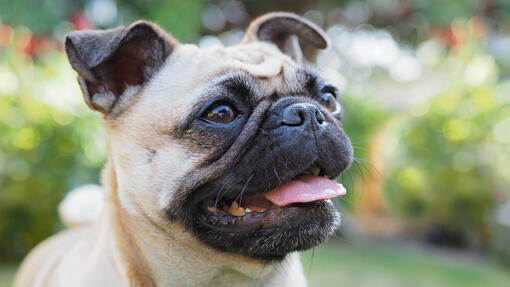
(286, 30)
(109, 62)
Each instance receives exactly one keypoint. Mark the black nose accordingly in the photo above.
(302, 114)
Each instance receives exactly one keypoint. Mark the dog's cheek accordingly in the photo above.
(133, 179)
(147, 170)
(169, 167)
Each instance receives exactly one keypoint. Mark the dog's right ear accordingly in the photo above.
(286, 30)
(109, 62)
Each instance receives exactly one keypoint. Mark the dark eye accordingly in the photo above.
(220, 114)
(328, 100)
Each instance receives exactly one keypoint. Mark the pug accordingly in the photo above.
(221, 160)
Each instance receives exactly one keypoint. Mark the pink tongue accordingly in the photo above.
(306, 188)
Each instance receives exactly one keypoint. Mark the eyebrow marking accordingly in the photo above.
(239, 84)
(328, 88)
(305, 83)
(311, 80)
(316, 84)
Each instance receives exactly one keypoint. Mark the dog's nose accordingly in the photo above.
(302, 114)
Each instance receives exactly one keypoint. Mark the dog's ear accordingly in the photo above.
(286, 30)
(115, 62)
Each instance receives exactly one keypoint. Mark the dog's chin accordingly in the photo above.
(256, 227)
(270, 234)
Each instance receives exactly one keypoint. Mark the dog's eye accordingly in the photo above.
(328, 100)
(220, 114)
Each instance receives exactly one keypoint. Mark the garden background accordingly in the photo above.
(426, 96)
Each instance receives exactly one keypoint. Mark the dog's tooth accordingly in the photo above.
(235, 209)
(237, 212)
(247, 210)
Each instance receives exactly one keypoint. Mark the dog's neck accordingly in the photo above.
(156, 255)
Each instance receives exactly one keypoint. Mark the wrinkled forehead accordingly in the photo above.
(191, 75)
(259, 67)
(260, 60)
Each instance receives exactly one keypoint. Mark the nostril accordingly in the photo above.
(302, 117)
(319, 116)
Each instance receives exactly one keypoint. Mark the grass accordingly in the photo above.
(379, 265)
(376, 264)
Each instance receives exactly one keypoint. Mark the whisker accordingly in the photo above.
(278, 177)
(240, 196)
(224, 191)
(366, 164)
(361, 149)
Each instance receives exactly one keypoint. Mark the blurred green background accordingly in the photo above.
(426, 94)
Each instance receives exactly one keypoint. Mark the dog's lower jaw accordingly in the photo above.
(175, 258)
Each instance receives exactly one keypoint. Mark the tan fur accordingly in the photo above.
(132, 244)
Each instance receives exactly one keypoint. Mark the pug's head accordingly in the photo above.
(241, 144)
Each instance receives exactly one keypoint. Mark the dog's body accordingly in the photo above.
(108, 253)
(167, 163)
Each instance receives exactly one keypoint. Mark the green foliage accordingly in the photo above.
(440, 14)
(48, 16)
(183, 19)
(362, 117)
(361, 120)
(49, 143)
(441, 159)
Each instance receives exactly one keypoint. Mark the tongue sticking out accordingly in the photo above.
(305, 188)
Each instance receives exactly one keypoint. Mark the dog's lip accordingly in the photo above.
(268, 219)
(304, 189)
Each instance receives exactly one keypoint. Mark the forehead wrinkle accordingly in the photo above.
(235, 80)
(294, 80)
(259, 59)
